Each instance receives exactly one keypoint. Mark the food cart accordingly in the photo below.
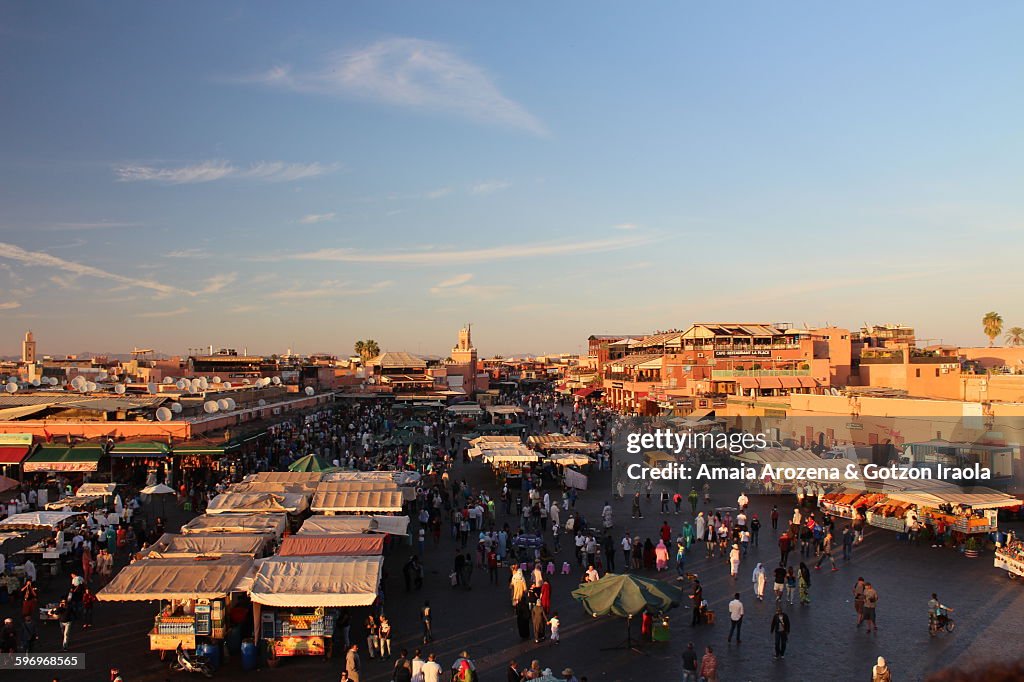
(1010, 558)
(195, 595)
(297, 600)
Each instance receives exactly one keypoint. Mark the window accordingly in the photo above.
(917, 373)
(936, 371)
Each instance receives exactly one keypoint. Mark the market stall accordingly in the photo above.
(40, 520)
(408, 493)
(76, 503)
(297, 601)
(357, 501)
(237, 523)
(284, 477)
(332, 545)
(341, 524)
(198, 593)
(220, 544)
(258, 503)
(1010, 558)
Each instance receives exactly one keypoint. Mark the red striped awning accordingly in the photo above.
(13, 454)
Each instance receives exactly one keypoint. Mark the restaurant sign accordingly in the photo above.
(758, 353)
(15, 439)
(29, 467)
(299, 646)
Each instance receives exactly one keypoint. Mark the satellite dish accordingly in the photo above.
(12, 387)
(196, 385)
(168, 380)
(176, 408)
(204, 383)
(246, 382)
(262, 402)
(164, 415)
(181, 384)
(152, 388)
(309, 390)
(276, 381)
(231, 403)
(101, 376)
(90, 387)
(210, 406)
(222, 405)
(216, 380)
(226, 384)
(35, 382)
(119, 389)
(77, 383)
(53, 381)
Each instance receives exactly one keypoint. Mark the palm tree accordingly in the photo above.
(992, 323)
(372, 349)
(360, 349)
(1015, 336)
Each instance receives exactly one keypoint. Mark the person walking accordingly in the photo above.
(755, 529)
(689, 664)
(734, 561)
(28, 635)
(88, 602)
(736, 618)
(785, 547)
(64, 617)
(870, 603)
(775, 518)
(425, 618)
(826, 553)
(432, 669)
(698, 600)
(709, 665)
(791, 582)
(554, 624)
(760, 580)
(780, 582)
(880, 672)
(637, 514)
(805, 584)
(858, 600)
(694, 498)
(385, 637)
(780, 627)
(352, 663)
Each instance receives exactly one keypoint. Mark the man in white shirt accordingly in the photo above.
(735, 618)
(742, 501)
(431, 670)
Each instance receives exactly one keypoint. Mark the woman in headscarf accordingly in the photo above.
(649, 557)
(688, 535)
(523, 618)
(517, 586)
(539, 622)
(538, 575)
(880, 672)
(700, 524)
(545, 596)
(734, 561)
(638, 554)
(760, 580)
(661, 555)
(87, 563)
(805, 584)
(464, 673)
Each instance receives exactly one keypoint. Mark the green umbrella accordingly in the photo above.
(627, 595)
(309, 463)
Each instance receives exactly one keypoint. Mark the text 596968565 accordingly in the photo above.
(42, 661)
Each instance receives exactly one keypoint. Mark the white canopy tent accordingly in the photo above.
(37, 520)
(178, 579)
(258, 503)
(342, 524)
(312, 581)
(237, 523)
(380, 501)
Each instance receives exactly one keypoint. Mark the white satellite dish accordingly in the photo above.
(310, 390)
(54, 381)
(196, 385)
(101, 376)
(231, 403)
(210, 406)
(77, 383)
(119, 389)
(12, 387)
(152, 388)
(216, 380)
(89, 387)
(168, 380)
(246, 382)
(226, 384)
(181, 384)
(276, 381)
(164, 415)
(204, 383)
(176, 408)
(222, 405)
(35, 382)
(262, 402)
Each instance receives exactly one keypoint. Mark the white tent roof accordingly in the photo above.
(237, 523)
(260, 503)
(402, 478)
(170, 545)
(35, 520)
(177, 578)
(345, 524)
(158, 489)
(284, 476)
(87, 489)
(312, 581)
(408, 494)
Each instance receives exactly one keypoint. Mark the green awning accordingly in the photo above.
(145, 449)
(54, 457)
(198, 450)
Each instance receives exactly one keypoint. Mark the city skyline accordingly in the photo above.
(305, 179)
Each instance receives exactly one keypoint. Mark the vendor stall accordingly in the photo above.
(258, 503)
(76, 503)
(237, 523)
(341, 524)
(297, 600)
(332, 545)
(353, 502)
(1010, 558)
(44, 520)
(284, 477)
(198, 592)
(172, 546)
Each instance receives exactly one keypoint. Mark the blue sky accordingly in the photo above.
(305, 174)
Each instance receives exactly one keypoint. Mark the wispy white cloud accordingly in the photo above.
(189, 253)
(40, 259)
(626, 226)
(329, 289)
(212, 170)
(218, 282)
(241, 309)
(9, 305)
(438, 193)
(489, 186)
(483, 255)
(314, 218)
(410, 73)
(453, 281)
(67, 283)
(480, 291)
(165, 313)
